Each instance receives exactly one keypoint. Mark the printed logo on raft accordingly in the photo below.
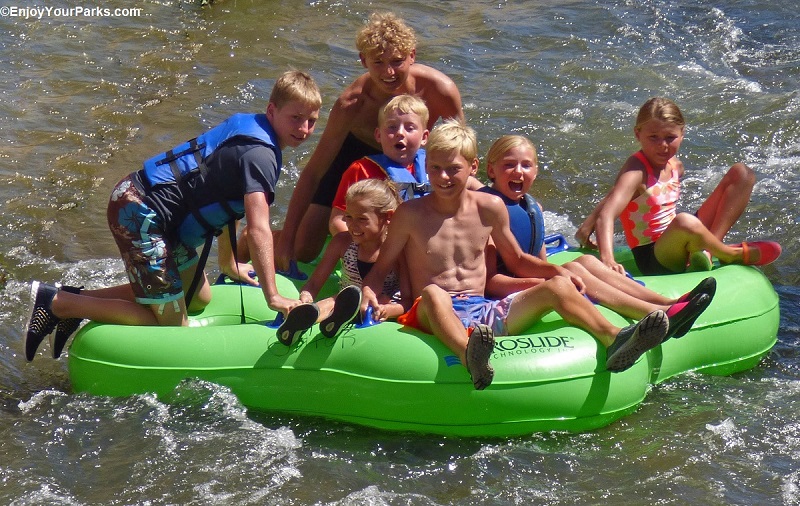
(521, 345)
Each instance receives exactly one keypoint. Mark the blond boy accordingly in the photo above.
(402, 133)
(160, 214)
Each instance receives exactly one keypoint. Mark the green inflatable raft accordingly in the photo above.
(396, 378)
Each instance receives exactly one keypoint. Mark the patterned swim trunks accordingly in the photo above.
(471, 310)
(152, 263)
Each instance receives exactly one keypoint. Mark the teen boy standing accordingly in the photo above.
(178, 201)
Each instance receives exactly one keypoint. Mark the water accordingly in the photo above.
(83, 100)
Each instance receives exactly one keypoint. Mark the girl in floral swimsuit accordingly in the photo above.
(644, 198)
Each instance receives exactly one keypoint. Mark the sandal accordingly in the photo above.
(769, 251)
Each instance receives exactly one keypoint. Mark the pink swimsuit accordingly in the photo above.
(647, 216)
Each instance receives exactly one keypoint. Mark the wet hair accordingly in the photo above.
(383, 31)
(296, 86)
(451, 135)
(503, 144)
(381, 195)
(405, 104)
(662, 109)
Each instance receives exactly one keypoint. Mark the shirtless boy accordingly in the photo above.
(387, 49)
(443, 237)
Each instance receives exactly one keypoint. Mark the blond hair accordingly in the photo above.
(405, 104)
(381, 195)
(507, 142)
(662, 109)
(452, 135)
(296, 86)
(383, 31)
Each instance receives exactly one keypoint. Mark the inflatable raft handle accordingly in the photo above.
(367, 321)
(274, 324)
(222, 277)
(554, 243)
(294, 272)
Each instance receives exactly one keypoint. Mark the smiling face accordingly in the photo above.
(514, 172)
(401, 135)
(293, 123)
(389, 69)
(364, 224)
(660, 140)
(448, 171)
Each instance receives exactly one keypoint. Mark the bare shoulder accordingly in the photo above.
(431, 75)
(438, 90)
(678, 165)
(351, 100)
(633, 170)
(485, 200)
(410, 210)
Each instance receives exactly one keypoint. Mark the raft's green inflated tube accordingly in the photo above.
(393, 377)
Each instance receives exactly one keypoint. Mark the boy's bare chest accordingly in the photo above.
(453, 238)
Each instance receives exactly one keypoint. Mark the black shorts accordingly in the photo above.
(646, 261)
(352, 150)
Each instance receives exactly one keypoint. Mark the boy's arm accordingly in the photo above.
(447, 100)
(259, 241)
(391, 251)
(389, 309)
(336, 130)
(326, 265)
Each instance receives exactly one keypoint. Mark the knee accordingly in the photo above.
(434, 296)
(575, 267)
(587, 262)
(561, 286)
(687, 223)
(742, 175)
(200, 300)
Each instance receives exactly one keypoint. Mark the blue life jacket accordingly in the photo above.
(527, 222)
(407, 185)
(186, 162)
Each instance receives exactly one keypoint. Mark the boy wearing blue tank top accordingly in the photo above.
(178, 201)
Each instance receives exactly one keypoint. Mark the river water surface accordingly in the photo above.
(84, 99)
